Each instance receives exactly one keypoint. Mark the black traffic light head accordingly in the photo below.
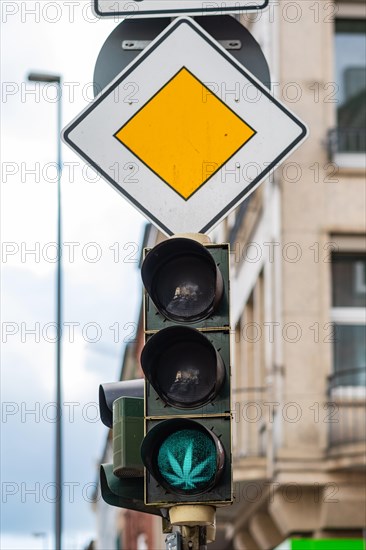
(188, 461)
(183, 367)
(183, 280)
(186, 362)
(187, 372)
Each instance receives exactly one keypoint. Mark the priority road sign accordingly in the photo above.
(168, 8)
(185, 132)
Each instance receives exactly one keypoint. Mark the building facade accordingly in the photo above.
(298, 285)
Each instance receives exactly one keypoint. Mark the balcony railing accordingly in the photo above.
(347, 407)
(346, 140)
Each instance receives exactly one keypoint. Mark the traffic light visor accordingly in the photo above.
(183, 367)
(184, 456)
(108, 393)
(182, 280)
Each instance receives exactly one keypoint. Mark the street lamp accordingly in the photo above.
(43, 537)
(56, 79)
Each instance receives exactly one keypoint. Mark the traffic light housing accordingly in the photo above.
(121, 406)
(186, 362)
(124, 493)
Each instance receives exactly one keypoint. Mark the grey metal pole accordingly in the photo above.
(194, 537)
(58, 511)
(57, 79)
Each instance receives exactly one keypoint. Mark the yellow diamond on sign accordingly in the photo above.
(184, 133)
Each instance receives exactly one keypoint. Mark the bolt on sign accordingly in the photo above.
(176, 132)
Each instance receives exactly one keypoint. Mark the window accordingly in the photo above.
(349, 280)
(249, 389)
(349, 317)
(350, 73)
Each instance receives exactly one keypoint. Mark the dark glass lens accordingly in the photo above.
(185, 287)
(186, 373)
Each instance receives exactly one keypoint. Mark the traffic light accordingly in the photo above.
(121, 406)
(186, 362)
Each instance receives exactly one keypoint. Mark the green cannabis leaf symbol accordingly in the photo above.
(184, 476)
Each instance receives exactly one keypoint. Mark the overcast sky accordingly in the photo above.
(101, 280)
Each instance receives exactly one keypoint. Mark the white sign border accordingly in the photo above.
(220, 9)
(124, 74)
